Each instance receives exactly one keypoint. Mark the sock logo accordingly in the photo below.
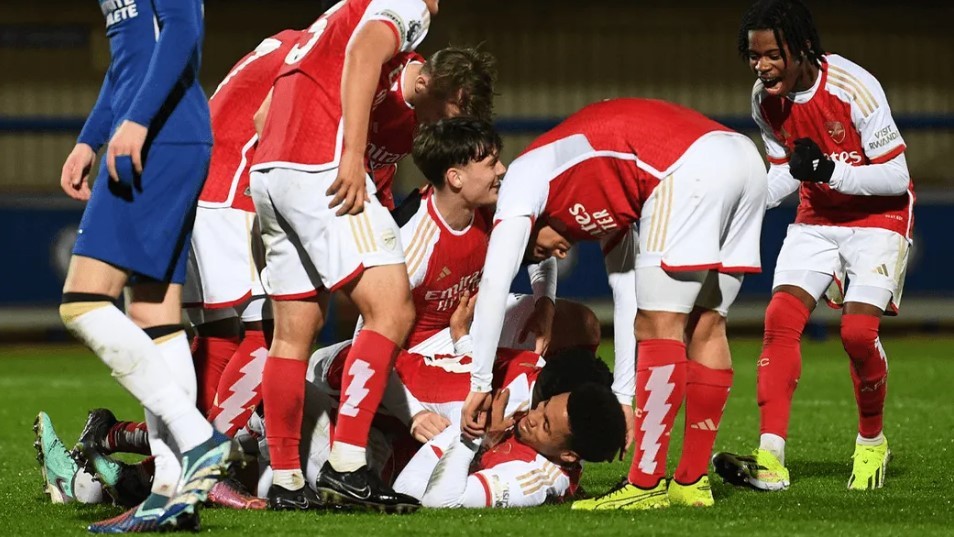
(654, 416)
(360, 373)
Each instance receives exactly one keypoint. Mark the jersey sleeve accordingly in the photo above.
(409, 19)
(521, 484)
(620, 260)
(525, 188)
(774, 149)
(178, 43)
(99, 123)
(871, 115)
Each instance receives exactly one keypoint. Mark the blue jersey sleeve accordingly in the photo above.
(180, 34)
(98, 125)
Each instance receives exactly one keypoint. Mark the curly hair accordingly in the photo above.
(790, 21)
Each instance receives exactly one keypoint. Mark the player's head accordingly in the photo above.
(779, 40)
(546, 242)
(461, 155)
(567, 369)
(456, 82)
(586, 423)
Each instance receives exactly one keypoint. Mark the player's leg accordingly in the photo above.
(217, 337)
(876, 261)
(708, 381)
(382, 295)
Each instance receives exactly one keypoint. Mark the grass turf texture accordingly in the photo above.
(917, 498)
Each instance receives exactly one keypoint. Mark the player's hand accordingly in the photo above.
(630, 428)
(74, 179)
(499, 424)
(809, 163)
(426, 425)
(473, 418)
(463, 316)
(540, 324)
(128, 140)
(349, 188)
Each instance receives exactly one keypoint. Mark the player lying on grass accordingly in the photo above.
(697, 190)
(828, 133)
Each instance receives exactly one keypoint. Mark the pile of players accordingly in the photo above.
(447, 396)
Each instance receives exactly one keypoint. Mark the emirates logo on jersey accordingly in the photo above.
(836, 130)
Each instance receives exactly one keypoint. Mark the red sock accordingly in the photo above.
(660, 388)
(127, 437)
(283, 393)
(869, 370)
(707, 391)
(366, 373)
(240, 388)
(780, 364)
(210, 355)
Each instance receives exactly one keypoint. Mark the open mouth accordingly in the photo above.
(770, 83)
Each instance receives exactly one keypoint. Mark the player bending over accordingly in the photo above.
(697, 191)
(829, 134)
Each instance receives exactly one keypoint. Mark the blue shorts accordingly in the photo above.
(146, 229)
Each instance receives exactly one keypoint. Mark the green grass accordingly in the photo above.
(917, 498)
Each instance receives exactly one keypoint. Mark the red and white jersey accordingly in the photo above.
(591, 174)
(304, 129)
(441, 263)
(847, 114)
(233, 104)
(441, 383)
(391, 131)
(513, 474)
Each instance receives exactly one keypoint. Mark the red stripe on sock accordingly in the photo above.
(240, 387)
(366, 372)
(210, 355)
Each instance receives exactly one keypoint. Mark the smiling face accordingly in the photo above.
(546, 242)
(478, 182)
(546, 429)
(773, 63)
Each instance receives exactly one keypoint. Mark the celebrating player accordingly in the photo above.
(829, 134)
(135, 231)
(310, 161)
(698, 193)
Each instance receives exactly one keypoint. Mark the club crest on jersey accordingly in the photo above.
(413, 31)
(836, 130)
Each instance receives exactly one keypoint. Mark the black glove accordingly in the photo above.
(808, 163)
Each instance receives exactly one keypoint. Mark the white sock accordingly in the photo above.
(288, 479)
(876, 441)
(347, 457)
(168, 469)
(774, 444)
(177, 357)
(137, 364)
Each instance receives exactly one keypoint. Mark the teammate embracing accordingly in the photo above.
(829, 134)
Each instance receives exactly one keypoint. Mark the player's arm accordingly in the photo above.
(620, 261)
(781, 184)
(74, 177)
(179, 39)
(543, 281)
(373, 44)
(508, 242)
(887, 174)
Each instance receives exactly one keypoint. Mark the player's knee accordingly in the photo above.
(859, 334)
(785, 317)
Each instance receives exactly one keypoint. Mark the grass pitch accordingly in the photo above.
(916, 500)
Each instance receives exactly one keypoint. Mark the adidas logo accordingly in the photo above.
(882, 270)
(445, 272)
(706, 425)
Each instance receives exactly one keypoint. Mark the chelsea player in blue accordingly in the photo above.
(154, 119)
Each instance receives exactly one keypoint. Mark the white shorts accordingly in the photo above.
(519, 309)
(253, 310)
(854, 257)
(681, 291)
(308, 247)
(222, 272)
(708, 213)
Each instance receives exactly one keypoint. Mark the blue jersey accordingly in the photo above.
(155, 49)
